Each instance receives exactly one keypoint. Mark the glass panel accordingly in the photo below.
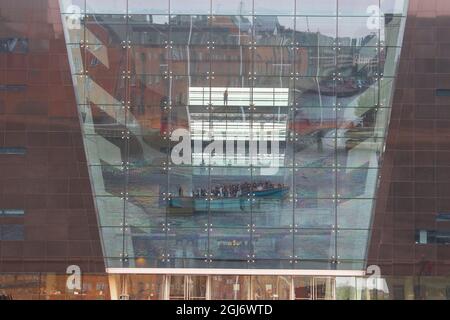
(273, 30)
(324, 288)
(105, 120)
(303, 288)
(355, 31)
(321, 8)
(314, 183)
(346, 288)
(147, 181)
(148, 91)
(272, 244)
(111, 211)
(271, 288)
(113, 241)
(351, 244)
(354, 213)
(356, 183)
(229, 244)
(106, 6)
(177, 288)
(272, 212)
(194, 60)
(315, 121)
(232, 7)
(314, 244)
(286, 7)
(388, 56)
(315, 31)
(273, 61)
(230, 204)
(149, 59)
(232, 30)
(148, 246)
(397, 7)
(359, 123)
(390, 32)
(314, 213)
(145, 211)
(109, 30)
(148, 30)
(113, 180)
(230, 287)
(191, 7)
(188, 205)
(187, 243)
(314, 61)
(145, 287)
(357, 92)
(189, 29)
(316, 92)
(355, 151)
(358, 66)
(148, 6)
(75, 31)
(73, 6)
(197, 287)
(230, 60)
(357, 8)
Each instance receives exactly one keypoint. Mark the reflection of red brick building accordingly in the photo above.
(160, 72)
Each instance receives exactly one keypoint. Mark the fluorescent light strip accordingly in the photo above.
(203, 96)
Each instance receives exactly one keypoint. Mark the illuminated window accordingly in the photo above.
(443, 92)
(19, 151)
(12, 212)
(11, 232)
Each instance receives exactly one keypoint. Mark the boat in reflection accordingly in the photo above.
(223, 204)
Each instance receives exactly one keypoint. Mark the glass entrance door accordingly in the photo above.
(187, 287)
(196, 287)
(314, 288)
(271, 287)
(324, 288)
(303, 288)
(177, 288)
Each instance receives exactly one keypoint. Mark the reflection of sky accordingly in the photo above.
(349, 27)
(235, 7)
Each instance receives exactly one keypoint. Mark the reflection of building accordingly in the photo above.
(233, 80)
(205, 229)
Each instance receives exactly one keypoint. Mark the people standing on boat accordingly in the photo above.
(319, 141)
(237, 190)
(225, 97)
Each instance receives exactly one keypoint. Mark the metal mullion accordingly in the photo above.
(336, 165)
(293, 137)
(125, 137)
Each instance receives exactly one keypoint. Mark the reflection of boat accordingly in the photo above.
(224, 204)
(342, 89)
(273, 192)
(221, 204)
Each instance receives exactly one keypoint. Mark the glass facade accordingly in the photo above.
(281, 110)
(52, 286)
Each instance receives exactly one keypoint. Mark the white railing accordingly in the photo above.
(258, 97)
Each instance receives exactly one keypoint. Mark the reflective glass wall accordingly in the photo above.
(234, 134)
